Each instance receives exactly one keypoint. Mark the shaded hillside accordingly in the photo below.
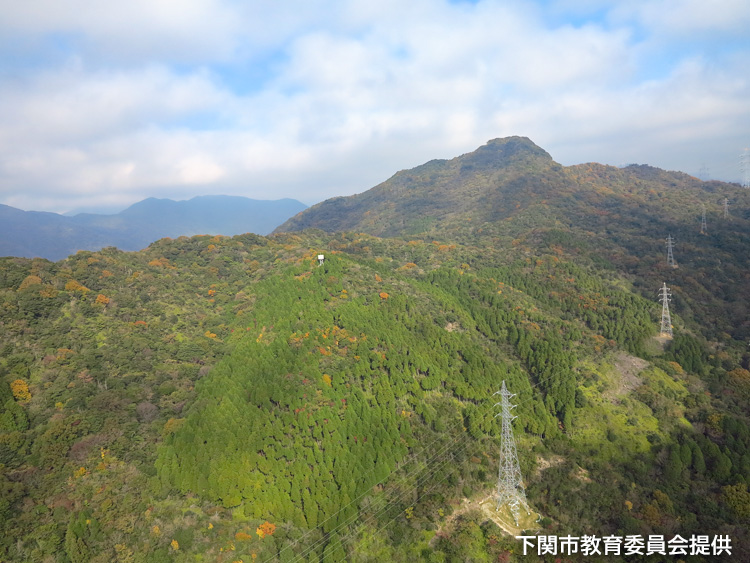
(229, 399)
(53, 236)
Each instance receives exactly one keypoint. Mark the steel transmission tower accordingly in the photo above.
(726, 208)
(670, 256)
(666, 321)
(510, 489)
(745, 168)
(704, 229)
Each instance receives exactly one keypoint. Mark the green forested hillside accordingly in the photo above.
(230, 399)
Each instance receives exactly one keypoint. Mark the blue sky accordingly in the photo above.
(104, 104)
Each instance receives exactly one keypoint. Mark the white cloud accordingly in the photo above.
(688, 17)
(147, 103)
(179, 29)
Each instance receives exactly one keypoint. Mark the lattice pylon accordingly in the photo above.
(670, 256)
(704, 228)
(510, 489)
(666, 320)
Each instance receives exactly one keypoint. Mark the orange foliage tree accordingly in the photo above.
(265, 529)
(73, 285)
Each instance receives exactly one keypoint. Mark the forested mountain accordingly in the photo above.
(230, 399)
(512, 180)
(49, 235)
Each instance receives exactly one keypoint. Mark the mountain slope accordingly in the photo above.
(512, 179)
(53, 236)
(483, 185)
(209, 387)
(217, 398)
(510, 190)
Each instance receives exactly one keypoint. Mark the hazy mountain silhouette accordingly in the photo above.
(52, 236)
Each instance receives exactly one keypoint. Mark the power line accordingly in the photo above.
(420, 480)
(402, 481)
(369, 518)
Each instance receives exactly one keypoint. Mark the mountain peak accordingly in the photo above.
(437, 192)
(504, 152)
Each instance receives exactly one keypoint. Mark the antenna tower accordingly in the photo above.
(726, 208)
(510, 489)
(665, 296)
(704, 229)
(745, 168)
(670, 256)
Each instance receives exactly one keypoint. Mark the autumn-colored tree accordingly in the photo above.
(383, 295)
(161, 263)
(265, 529)
(48, 292)
(29, 280)
(20, 390)
(73, 285)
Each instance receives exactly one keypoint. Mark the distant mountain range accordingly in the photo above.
(52, 236)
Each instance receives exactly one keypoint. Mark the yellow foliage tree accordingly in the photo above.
(30, 280)
(20, 390)
(73, 285)
(48, 291)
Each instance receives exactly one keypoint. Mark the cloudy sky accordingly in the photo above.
(105, 103)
